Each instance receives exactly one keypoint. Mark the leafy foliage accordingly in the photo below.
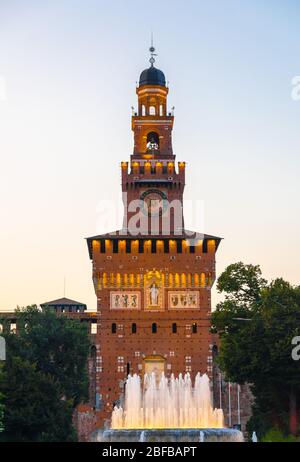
(241, 283)
(276, 436)
(45, 376)
(256, 323)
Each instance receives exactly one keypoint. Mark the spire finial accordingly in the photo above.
(152, 50)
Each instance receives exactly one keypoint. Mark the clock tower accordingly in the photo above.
(152, 277)
(152, 188)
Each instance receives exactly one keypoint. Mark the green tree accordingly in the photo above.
(34, 410)
(45, 376)
(256, 323)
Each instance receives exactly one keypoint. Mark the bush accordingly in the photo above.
(276, 436)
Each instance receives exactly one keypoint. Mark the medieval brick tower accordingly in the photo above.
(152, 278)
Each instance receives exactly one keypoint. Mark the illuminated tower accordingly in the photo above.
(152, 278)
(152, 177)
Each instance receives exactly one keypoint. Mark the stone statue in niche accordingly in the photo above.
(154, 291)
(154, 294)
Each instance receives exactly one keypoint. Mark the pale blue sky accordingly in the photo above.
(70, 67)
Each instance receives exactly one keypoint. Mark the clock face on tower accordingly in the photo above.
(153, 202)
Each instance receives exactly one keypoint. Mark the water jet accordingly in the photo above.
(167, 410)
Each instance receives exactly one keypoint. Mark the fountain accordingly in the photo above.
(167, 410)
(254, 437)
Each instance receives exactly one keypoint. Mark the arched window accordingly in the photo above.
(215, 350)
(194, 328)
(133, 328)
(93, 328)
(161, 110)
(114, 328)
(174, 328)
(154, 328)
(152, 110)
(152, 141)
(93, 351)
(143, 110)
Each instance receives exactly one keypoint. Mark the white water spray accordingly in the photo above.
(167, 403)
(254, 437)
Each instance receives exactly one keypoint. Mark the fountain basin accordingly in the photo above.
(180, 435)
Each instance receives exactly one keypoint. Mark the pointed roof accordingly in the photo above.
(63, 302)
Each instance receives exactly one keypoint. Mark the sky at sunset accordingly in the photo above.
(68, 71)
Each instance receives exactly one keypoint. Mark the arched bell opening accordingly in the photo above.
(152, 141)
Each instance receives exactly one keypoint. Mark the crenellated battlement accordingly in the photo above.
(139, 172)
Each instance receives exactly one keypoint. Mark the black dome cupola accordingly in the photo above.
(152, 75)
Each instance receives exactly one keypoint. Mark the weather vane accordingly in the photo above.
(152, 50)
